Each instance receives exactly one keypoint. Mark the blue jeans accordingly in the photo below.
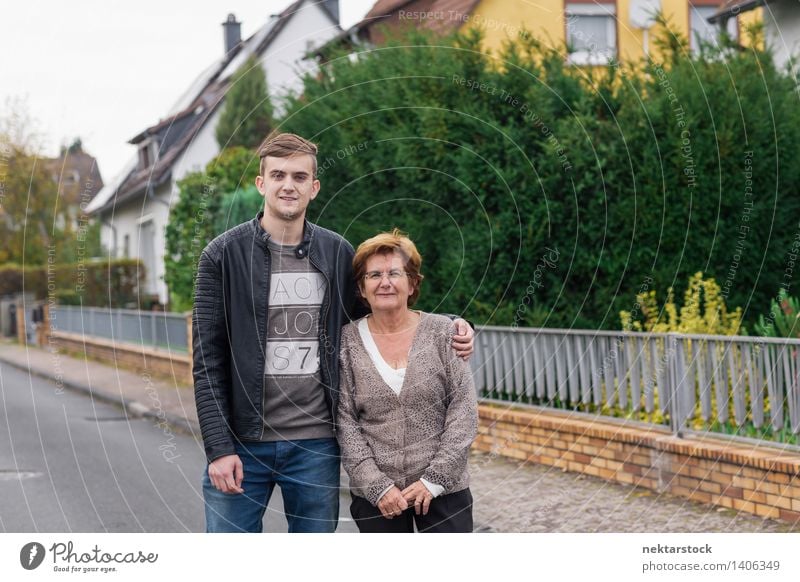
(307, 471)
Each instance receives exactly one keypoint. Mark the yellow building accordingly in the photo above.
(595, 30)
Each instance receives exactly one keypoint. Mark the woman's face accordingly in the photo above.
(386, 286)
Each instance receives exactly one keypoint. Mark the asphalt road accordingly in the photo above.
(69, 463)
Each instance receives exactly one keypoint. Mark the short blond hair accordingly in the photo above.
(286, 145)
(394, 241)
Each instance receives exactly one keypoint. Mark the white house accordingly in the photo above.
(134, 208)
(781, 24)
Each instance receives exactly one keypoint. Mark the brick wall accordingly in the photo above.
(761, 480)
(130, 356)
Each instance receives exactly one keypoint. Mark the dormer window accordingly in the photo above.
(148, 153)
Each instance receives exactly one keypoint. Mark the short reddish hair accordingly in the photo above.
(286, 145)
(395, 241)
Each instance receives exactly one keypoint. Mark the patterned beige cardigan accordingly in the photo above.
(425, 432)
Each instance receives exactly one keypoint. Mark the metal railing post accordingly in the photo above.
(673, 383)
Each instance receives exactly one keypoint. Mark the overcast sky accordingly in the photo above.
(104, 70)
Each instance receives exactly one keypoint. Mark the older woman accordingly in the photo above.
(407, 413)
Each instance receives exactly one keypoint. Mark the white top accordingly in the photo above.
(394, 377)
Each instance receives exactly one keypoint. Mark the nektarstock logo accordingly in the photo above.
(31, 555)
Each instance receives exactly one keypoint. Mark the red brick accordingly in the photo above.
(632, 469)
(733, 492)
(790, 516)
(581, 458)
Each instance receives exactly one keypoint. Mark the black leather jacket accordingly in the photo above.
(229, 327)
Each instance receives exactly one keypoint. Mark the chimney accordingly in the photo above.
(332, 7)
(232, 31)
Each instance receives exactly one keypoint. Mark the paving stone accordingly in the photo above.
(513, 496)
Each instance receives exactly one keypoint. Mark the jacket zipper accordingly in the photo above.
(265, 303)
(323, 326)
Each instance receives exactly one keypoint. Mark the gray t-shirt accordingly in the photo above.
(294, 404)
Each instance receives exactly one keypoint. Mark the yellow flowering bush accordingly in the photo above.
(703, 311)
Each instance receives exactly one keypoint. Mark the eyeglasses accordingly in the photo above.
(393, 275)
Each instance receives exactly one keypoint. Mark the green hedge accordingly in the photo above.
(541, 193)
(209, 203)
(99, 283)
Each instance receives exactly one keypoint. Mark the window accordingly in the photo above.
(126, 246)
(148, 153)
(591, 33)
(701, 30)
(144, 160)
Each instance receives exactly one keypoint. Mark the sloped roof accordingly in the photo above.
(173, 134)
(190, 114)
(383, 10)
(384, 7)
(731, 8)
(451, 12)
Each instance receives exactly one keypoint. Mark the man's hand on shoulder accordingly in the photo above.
(226, 474)
(463, 339)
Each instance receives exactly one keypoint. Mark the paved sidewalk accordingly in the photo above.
(509, 496)
(512, 496)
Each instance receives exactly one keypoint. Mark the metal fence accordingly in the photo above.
(742, 386)
(147, 328)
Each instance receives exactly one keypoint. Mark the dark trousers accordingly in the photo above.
(447, 514)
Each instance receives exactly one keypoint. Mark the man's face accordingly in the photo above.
(288, 185)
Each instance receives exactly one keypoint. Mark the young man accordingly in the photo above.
(271, 297)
